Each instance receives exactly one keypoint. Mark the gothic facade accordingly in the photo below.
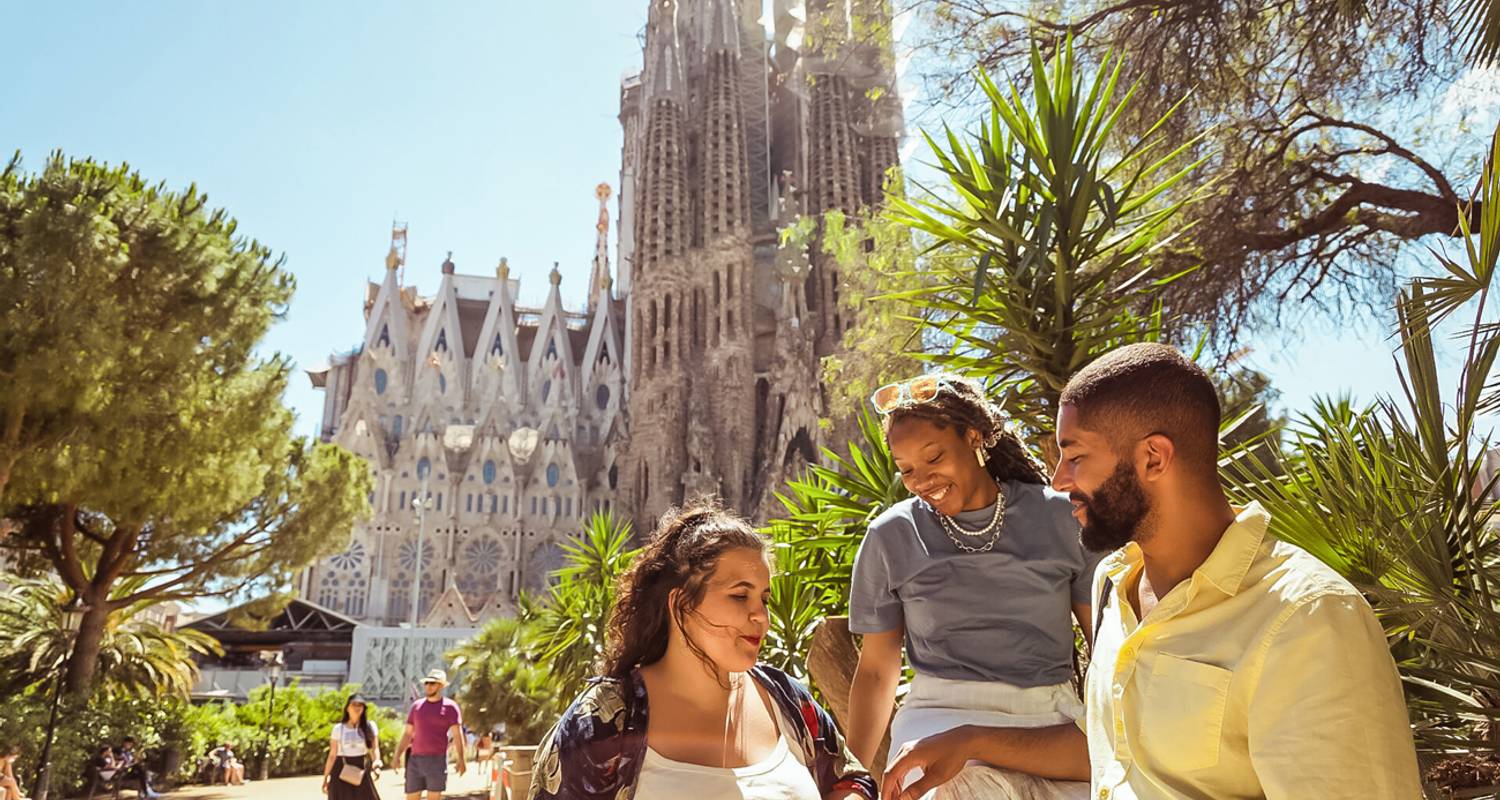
(695, 373)
(740, 122)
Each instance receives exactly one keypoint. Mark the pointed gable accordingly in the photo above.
(603, 381)
(449, 611)
(605, 344)
(387, 334)
(550, 373)
(498, 367)
(489, 486)
(441, 368)
(498, 605)
(362, 433)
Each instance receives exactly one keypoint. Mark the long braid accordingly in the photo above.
(963, 405)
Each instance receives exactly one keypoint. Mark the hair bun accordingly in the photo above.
(680, 520)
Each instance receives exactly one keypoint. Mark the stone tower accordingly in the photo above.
(731, 130)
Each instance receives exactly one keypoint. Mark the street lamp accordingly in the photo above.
(72, 619)
(420, 504)
(522, 444)
(271, 662)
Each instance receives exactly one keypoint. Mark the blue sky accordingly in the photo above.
(484, 126)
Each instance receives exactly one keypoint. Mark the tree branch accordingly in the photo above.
(200, 568)
(64, 550)
(1394, 148)
(1426, 214)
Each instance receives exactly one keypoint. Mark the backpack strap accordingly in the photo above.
(1105, 592)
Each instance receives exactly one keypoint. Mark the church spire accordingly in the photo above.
(599, 280)
(664, 77)
(720, 25)
(722, 184)
(663, 229)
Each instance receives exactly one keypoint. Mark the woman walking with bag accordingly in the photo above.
(353, 755)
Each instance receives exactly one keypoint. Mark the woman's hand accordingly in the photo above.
(325, 784)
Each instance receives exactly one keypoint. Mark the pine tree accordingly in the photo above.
(141, 434)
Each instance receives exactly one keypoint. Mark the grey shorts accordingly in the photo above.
(426, 773)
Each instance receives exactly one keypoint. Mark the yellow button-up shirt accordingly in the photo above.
(1264, 675)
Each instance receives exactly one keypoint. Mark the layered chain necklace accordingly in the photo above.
(985, 537)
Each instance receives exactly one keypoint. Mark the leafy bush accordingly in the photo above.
(298, 729)
(159, 727)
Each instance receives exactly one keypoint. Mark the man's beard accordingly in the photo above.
(1114, 511)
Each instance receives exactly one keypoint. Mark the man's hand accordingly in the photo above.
(940, 757)
(460, 767)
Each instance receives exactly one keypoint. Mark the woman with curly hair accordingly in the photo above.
(682, 709)
(978, 576)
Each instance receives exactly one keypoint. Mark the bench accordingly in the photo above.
(111, 783)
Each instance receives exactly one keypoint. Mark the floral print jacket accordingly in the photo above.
(596, 750)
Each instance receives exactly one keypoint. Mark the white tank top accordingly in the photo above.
(779, 776)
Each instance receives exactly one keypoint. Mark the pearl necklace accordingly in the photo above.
(990, 533)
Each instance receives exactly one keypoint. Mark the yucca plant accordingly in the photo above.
(570, 618)
(136, 658)
(1067, 227)
(827, 510)
(1389, 496)
(503, 683)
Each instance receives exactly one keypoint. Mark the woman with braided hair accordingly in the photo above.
(979, 576)
(682, 710)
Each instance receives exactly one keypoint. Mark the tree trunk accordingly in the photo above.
(85, 657)
(831, 661)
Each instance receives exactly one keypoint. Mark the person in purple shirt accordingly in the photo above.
(431, 725)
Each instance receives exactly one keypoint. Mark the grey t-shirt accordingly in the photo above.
(1004, 615)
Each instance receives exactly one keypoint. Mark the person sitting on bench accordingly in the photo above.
(133, 770)
(103, 768)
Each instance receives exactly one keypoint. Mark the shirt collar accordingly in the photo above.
(1231, 558)
(1119, 561)
(1225, 567)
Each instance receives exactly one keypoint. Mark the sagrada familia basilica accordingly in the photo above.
(693, 369)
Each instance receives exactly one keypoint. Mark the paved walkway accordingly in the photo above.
(391, 786)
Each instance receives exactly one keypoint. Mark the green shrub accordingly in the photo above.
(159, 727)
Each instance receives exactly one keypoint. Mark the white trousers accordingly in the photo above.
(934, 705)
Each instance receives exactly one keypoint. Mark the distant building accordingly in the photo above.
(315, 644)
(696, 372)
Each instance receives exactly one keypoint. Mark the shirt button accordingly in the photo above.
(1104, 794)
